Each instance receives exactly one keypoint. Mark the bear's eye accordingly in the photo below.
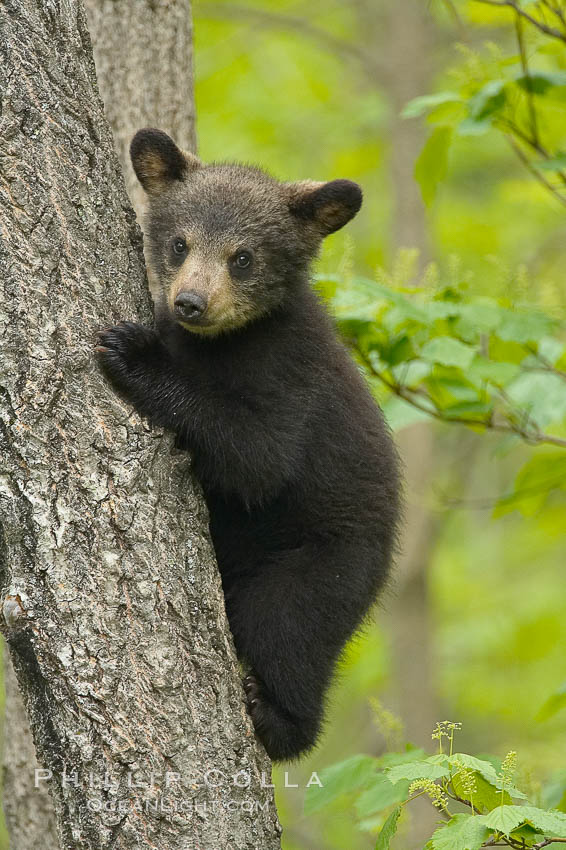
(179, 246)
(243, 260)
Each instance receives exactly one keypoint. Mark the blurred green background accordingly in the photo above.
(474, 626)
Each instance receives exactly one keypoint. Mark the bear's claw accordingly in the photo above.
(251, 688)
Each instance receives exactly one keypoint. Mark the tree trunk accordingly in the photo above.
(411, 47)
(112, 607)
(403, 35)
(143, 50)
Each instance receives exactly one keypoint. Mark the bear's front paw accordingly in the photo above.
(125, 352)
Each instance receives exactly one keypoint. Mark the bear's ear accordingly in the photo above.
(158, 161)
(328, 205)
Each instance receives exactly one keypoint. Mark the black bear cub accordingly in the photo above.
(295, 461)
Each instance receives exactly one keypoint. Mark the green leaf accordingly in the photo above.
(400, 414)
(376, 292)
(507, 818)
(486, 796)
(350, 303)
(448, 351)
(551, 823)
(540, 82)
(493, 371)
(462, 832)
(441, 309)
(472, 763)
(551, 349)
(488, 100)
(544, 472)
(541, 394)
(432, 164)
(381, 794)
(339, 779)
(398, 351)
(510, 352)
(471, 127)
(426, 769)
(393, 759)
(420, 105)
(484, 315)
(485, 769)
(546, 468)
(372, 824)
(554, 163)
(523, 327)
(527, 836)
(326, 287)
(468, 409)
(389, 830)
(411, 374)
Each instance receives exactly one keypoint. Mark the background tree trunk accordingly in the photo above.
(143, 50)
(112, 606)
(404, 35)
(28, 809)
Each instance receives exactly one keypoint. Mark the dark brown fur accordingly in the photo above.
(296, 464)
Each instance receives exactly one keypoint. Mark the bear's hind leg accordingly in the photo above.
(290, 620)
(283, 735)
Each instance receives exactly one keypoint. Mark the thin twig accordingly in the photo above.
(534, 171)
(511, 4)
(458, 20)
(528, 78)
(546, 365)
(556, 10)
(458, 799)
(488, 502)
(532, 143)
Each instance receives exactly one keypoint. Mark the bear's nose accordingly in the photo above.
(189, 305)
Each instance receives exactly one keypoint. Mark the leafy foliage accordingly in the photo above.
(448, 354)
(519, 95)
(451, 781)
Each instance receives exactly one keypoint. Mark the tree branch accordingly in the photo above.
(457, 18)
(528, 79)
(533, 437)
(512, 4)
(519, 152)
(555, 10)
(546, 365)
(302, 26)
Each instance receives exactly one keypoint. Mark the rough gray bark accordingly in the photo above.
(143, 50)
(112, 607)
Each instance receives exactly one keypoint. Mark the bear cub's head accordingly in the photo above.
(227, 243)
